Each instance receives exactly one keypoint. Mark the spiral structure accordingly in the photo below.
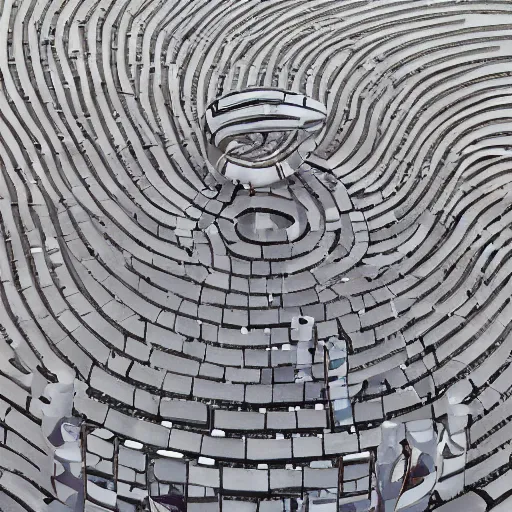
(174, 341)
(261, 136)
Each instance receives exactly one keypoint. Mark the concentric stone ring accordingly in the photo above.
(260, 136)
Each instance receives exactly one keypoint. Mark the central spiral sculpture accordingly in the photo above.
(260, 136)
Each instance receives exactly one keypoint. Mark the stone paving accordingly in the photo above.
(255, 255)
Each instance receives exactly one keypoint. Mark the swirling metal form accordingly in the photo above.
(260, 136)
